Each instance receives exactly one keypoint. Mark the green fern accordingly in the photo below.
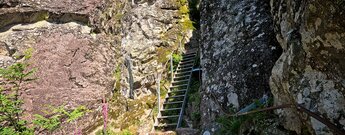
(76, 113)
(73, 115)
(56, 115)
(50, 123)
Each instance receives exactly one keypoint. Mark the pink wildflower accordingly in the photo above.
(105, 112)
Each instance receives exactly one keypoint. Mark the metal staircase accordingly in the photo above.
(171, 115)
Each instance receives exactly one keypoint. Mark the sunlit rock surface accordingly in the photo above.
(74, 64)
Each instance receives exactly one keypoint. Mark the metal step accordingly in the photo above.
(175, 91)
(177, 96)
(184, 69)
(191, 53)
(184, 62)
(177, 86)
(185, 80)
(176, 102)
(179, 81)
(180, 77)
(185, 65)
(179, 72)
(187, 59)
(183, 73)
(170, 109)
(171, 116)
(166, 125)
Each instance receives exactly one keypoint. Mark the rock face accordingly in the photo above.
(150, 33)
(74, 65)
(238, 51)
(311, 69)
(79, 45)
(66, 6)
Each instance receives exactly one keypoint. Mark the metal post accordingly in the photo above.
(159, 93)
(171, 68)
(130, 77)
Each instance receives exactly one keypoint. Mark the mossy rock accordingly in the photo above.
(162, 54)
(129, 120)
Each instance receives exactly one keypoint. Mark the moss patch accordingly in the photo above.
(117, 76)
(162, 54)
(127, 116)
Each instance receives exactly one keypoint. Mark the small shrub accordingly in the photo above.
(176, 60)
(10, 103)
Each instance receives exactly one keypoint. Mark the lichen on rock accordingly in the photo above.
(310, 71)
(150, 35)
(238, 51)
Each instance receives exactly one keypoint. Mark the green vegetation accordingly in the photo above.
(53, 118)
(126, 132)
(111, 17)
(162, 54)
(230, 125)
(194, 100)
(177, 33)
(185, 22)
(164, 88)
(109, 132)
(50, 123)
(240, 124)
(73, 115)
(117, 75)
(40, 16)
(10, 103)
(194, 95)
(127, 115)
(196, 116)
(183, 10)
(177, 57)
